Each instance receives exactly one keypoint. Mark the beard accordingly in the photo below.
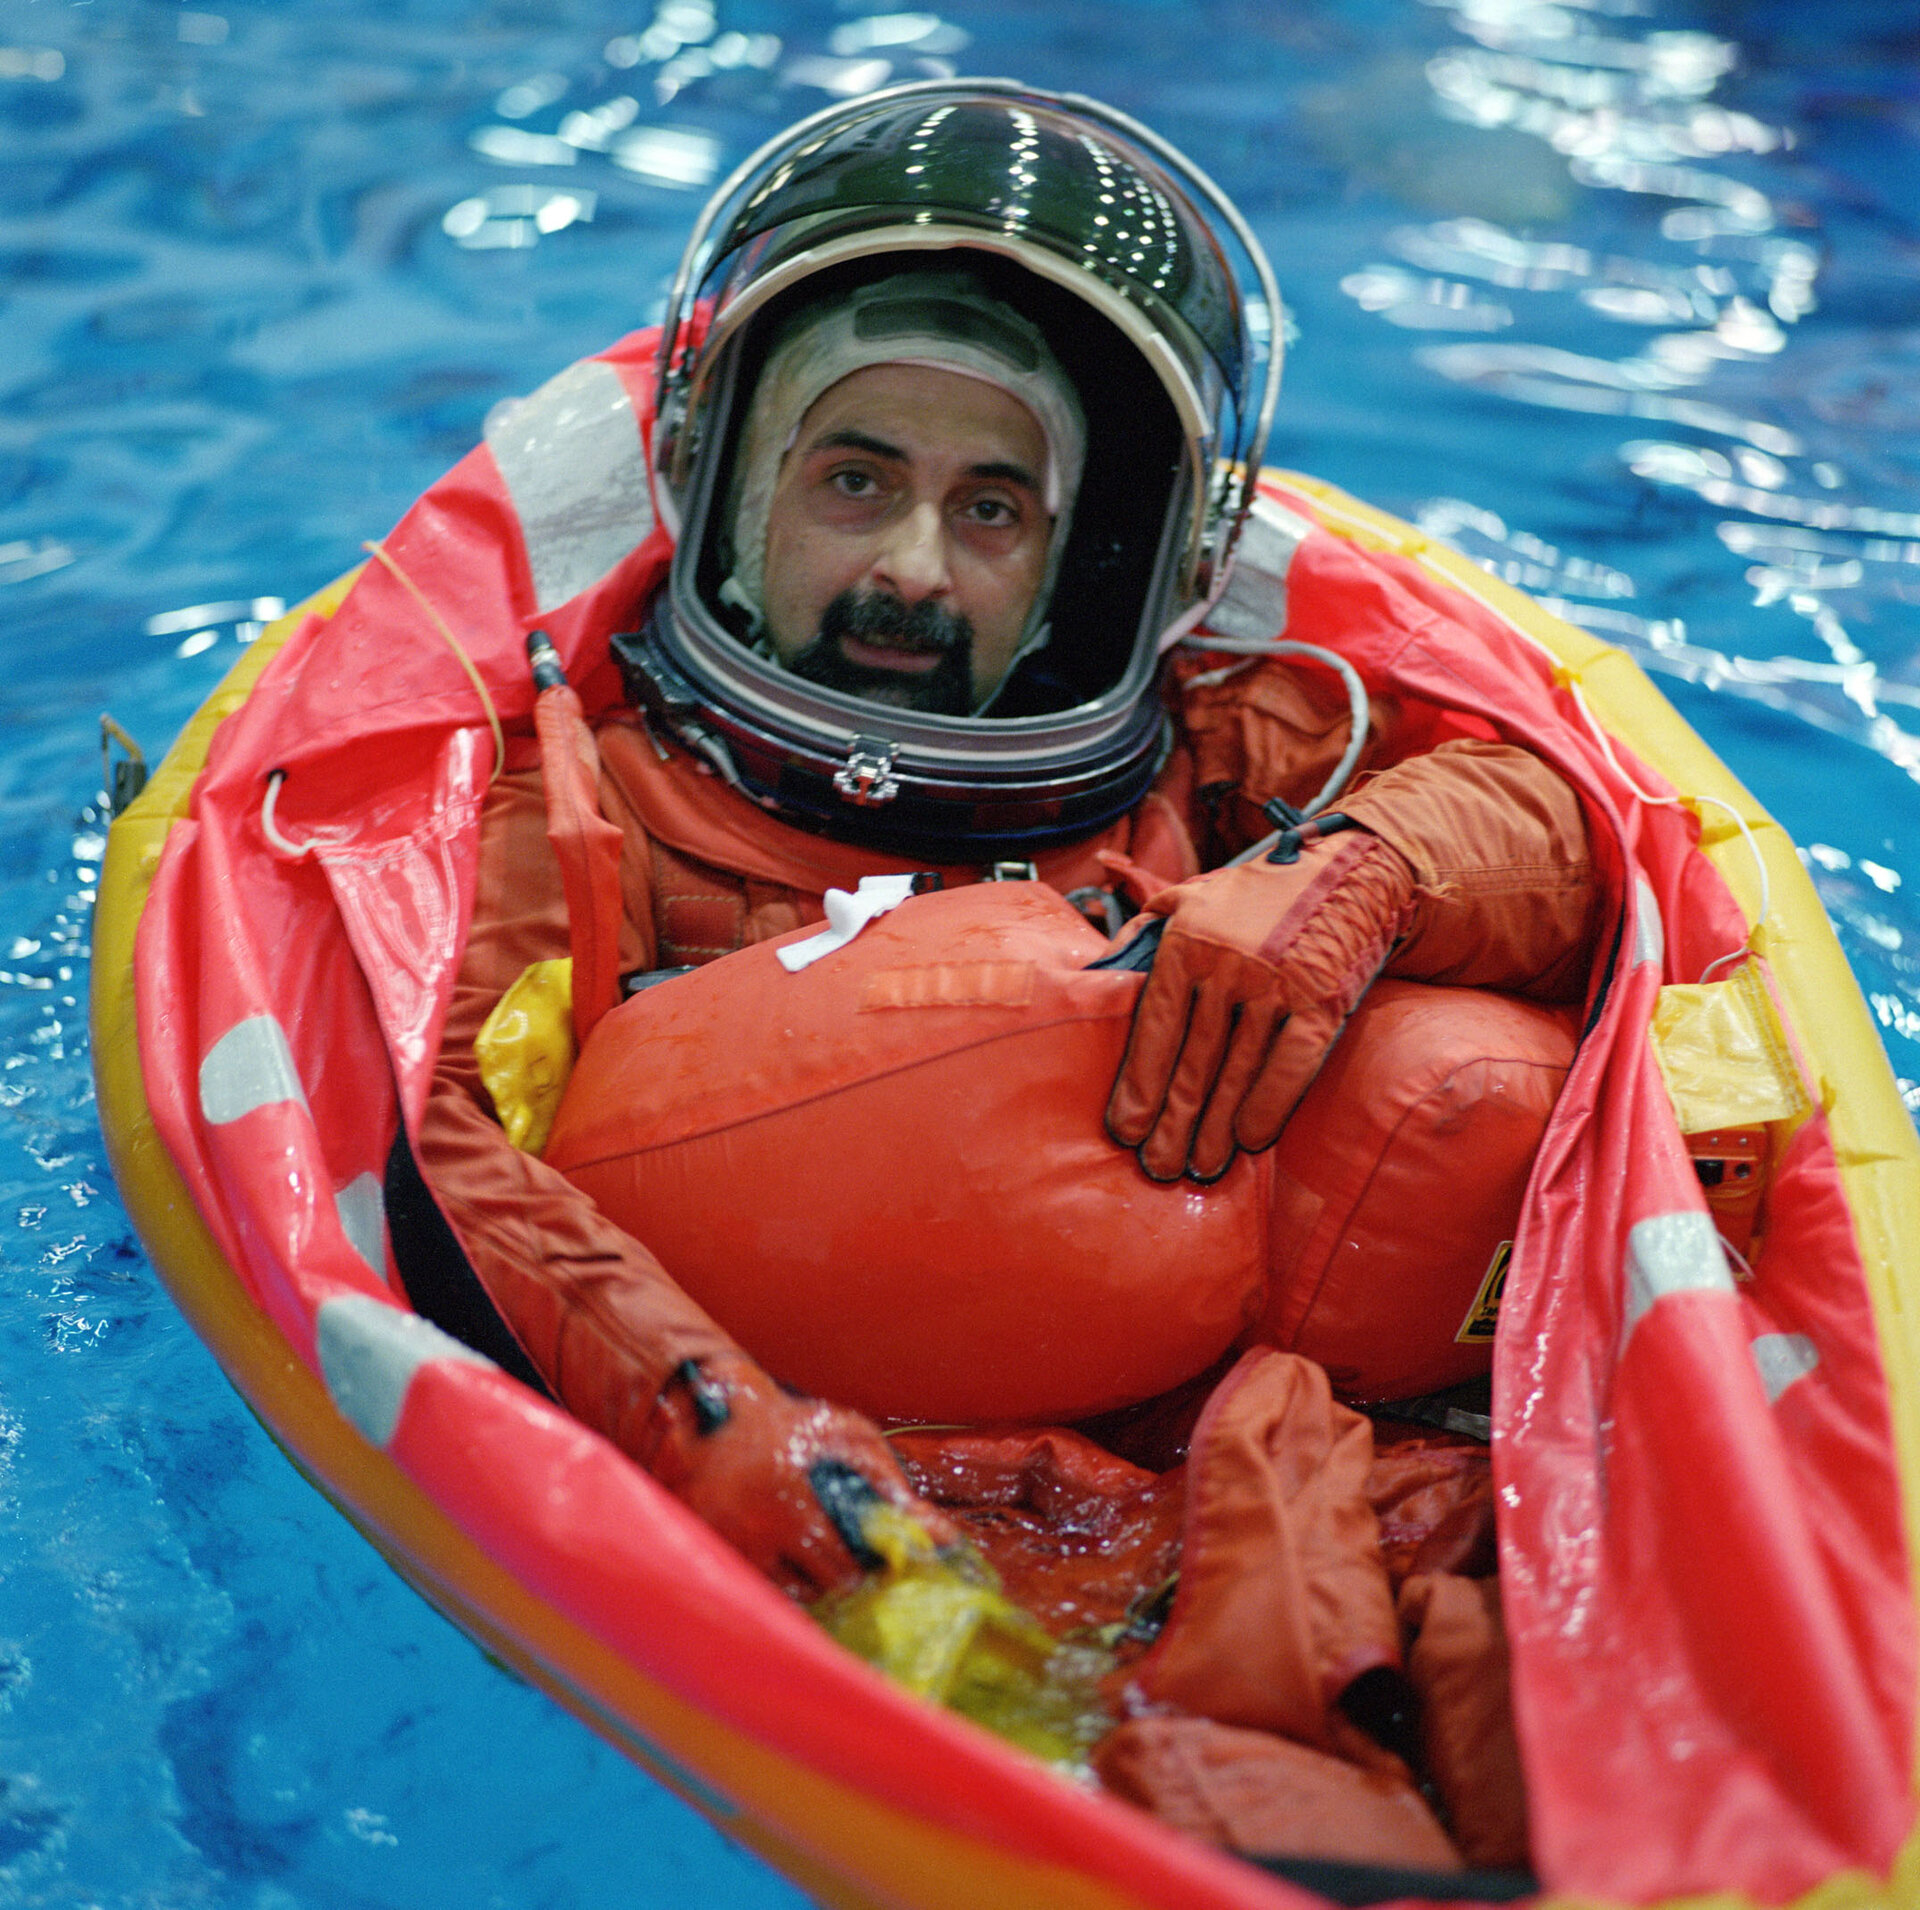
(879, 617)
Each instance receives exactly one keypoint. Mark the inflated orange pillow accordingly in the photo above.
(887, 1175)
(1397, 1185)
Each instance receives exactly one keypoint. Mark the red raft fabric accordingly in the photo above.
(1705, 1587)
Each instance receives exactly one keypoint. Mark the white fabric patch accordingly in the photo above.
(1783, 1358)
(369, 1353)
(1673, 1253)
(363, 1219)
(249, 1067)
(847, 915)
(573, 462)
(1649, 930)
(1254, 604)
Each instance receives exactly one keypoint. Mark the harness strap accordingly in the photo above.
(588, 849)
(701, 912)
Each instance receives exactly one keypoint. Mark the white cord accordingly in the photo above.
(1253, 648)
(1673, 802)
(377, 549)
(1652, 801)
(270, 829)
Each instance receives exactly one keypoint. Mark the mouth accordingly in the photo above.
(872, 645)
(909, 660)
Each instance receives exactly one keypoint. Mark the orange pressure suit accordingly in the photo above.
(1503, 898)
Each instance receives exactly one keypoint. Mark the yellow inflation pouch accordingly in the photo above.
(1734, 1086)
(525, 1051)
(937, 1622)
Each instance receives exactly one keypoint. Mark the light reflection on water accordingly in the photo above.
(1617, 297)
(1728, 274)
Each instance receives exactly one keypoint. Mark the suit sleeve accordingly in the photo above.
(595, 1312)
(1505, 894)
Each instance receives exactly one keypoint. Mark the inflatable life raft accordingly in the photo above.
(1707, 1464)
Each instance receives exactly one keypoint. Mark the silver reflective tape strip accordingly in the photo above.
(363, 1219)
(1673, 1253)
(250, 1066)
(369, 1353)
(1649, 931)
(574, 465)
(1255, 602)
(1783, 1358)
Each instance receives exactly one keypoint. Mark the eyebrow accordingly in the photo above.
(1000, 471)
(850, 440)
(1005, 474)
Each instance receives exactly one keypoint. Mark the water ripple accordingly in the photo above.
(1622, 307)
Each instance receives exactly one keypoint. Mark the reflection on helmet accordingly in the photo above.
(1059, 251)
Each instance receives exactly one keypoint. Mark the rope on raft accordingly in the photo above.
(377, 549)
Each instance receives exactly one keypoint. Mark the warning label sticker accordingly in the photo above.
(1484, 1315)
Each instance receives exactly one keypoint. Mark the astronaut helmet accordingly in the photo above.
(1069, 275)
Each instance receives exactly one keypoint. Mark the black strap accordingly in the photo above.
(1297, 830)
(1135, 955)
(438, 1276)
(1360, 1884)
(1609, 970)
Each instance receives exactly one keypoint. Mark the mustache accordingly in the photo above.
(879, 616)
(870, 614)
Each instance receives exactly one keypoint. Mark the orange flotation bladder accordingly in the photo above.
(1397, 1185)
(887, 1174)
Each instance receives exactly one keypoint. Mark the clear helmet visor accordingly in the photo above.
(1090, 234)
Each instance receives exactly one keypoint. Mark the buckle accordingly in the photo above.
(1011, 872)
(867, 777)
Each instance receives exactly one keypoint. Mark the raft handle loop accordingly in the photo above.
(375, 548)
(124, 780)
(293, 851)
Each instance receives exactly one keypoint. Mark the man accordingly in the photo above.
(959, 414)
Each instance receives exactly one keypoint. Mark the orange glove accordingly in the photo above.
(1258, 968)
(786, 1481)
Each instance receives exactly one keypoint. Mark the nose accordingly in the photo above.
(912, 559)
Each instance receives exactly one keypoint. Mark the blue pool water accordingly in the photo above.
(1621, 295)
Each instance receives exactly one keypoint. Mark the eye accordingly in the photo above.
(854, 483)
(993, 511)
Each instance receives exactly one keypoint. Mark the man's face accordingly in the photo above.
(907, 538)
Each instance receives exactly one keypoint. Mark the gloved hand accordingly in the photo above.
(784, 1480)
(1259, 966)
